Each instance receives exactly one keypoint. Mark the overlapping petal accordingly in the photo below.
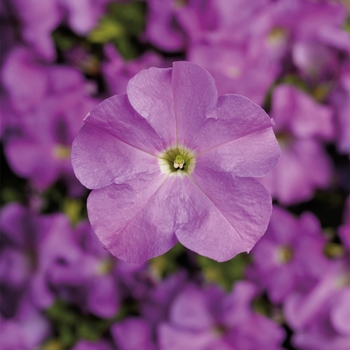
(117, 117)
(131, 219)
(151, 95)
(250, 156)
(99, 159)
(195, 95)
(234, 117)
(221, 216)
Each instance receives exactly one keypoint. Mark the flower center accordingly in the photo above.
(285, 254)
(177, 161)
(277, 35)
(61, 152)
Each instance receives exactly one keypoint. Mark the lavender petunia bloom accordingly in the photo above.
(209, 320)
(87, 278)
(320, 317)
(83, 14)
(289, 256)
(301, 126)
(344, 229)
(117, 72)
(24, 78)
(340, 99)
(154, 306)
(84, 344)
(22, 233)
(171, 161)
(235, 69)
(51, 112)
(34, 248)
(26, 330)
(162, 28)
(39, 19)
(133, 333)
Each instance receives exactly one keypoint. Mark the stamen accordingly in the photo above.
(177, 161)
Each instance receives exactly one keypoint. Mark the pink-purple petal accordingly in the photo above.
(222, 216)
(195, 94)
(253, 155)
(173, 338)
(117, 117)
(99, 159)
(234, 117)
(131, 219)
(190, 311)
(151, 95)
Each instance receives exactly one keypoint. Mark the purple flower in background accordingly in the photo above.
(88, 278)
(344, 229)
(235, 69)
(117, 72)
(320, 317)
(26, 330)
(84, 344)
(154, 306)
(209, 320)
(34, 248)
(289, 256)
(51, 112)
(301, 125)
(25, 79)
(133, 333)
(162, 28)
(39, 19)
(340, 99)
(171, 161)
(22, 233)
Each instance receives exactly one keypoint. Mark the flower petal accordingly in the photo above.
(32, 160)
(303, 166)
(253, 155)
(195, 94)
(224, 215)
(151, 95)
(132, 333)
(174, 338)
(189, 310)
(233, 118)
(132, 220)
(99, 159)
(117, 117)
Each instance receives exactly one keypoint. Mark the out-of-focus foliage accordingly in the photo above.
(122, 26)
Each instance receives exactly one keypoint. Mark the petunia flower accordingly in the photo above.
(84, 344)
(340, 100)
(133, 333)
(39, 19)
(302, 126)
(208, 319)
(171, 161)
(26, 330)
(320, 317)
(290, 255)
(117, 72)
(88, 278)
(49, 116)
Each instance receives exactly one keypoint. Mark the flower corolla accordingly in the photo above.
(171, 161)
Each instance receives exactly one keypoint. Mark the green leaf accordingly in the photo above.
(224, 273)
(122, 25)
